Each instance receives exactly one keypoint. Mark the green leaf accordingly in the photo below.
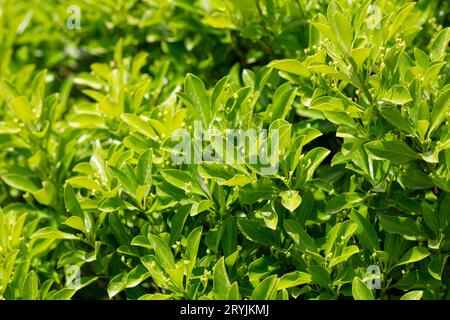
(360, 291)
(64, 294)
(141, 241)
(365, 231)
(344, 256)
(20, 182)
(18, 229)
(311, 161)
(196, 91)
(257, 233)
(416, 279)
(360, 55)
(400, 225)
(440, 110)
(291, 66)
(325, 30)
(52, 234)
(221, 282)
(22, 109)
(269, 215)
(163, 252)
(302, 239)
(199, 207)
(413, 255)
(237, 180)
(422, 128)
(330, 104)
(266, 289)
(290, 199)
(440, 44)
(339, 118)
(398, 95)
(432, 73)
(399, 18)
(156, 271)
(338, 236)
(119, 231)
(84, 182)
(76, 223)
(342, 30)
(395, 151)
(395, 117)
(218, 92)
(136, 276)
(139, 125)
(233, 292)
(71, 202)
(155, 296)
(183, 180)
(87, 121)
(430, 217)
(45, 288)
(30, 290)
(192, 245)
(343, 201)
(437, 265)
(117, 284)
(7, 90)
(229, 238)
(320, 275)
(421, 58)
(280, 131)
(259, 268)
(294, 279)
(263, 189)
(8, 265)
(126, 178)
(416, 180)
(413, 295)
(47, 194)
(115, 204)
(110, 107)
(144, 167)
(178, 221)
(282, 104)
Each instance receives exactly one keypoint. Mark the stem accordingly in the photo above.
(339, 93)
(302, 9)
(361, 83)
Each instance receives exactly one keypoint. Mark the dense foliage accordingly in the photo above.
(92, 205)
